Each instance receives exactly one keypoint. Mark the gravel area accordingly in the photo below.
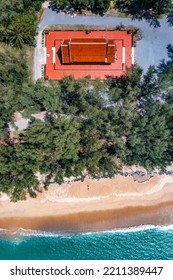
(19, 125)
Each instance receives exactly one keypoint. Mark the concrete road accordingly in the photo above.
(150, 50)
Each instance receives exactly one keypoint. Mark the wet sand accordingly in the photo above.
(93, 205)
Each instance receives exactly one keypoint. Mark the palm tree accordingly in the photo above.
(15, 37)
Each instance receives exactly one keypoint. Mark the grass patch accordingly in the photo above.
(137, 32)
(81, 27)
(112, 12)
(4, 48)
(39, 15)
(29, 54)
(16, 133)
(29, 111)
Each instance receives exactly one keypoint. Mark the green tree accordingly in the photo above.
(21, 31)
(17, 178)
(54, 142)
(18, 22)
(13, 72)
(81, 4)
(101, 6)
(149, 140)
(9, 9)
(37, 97)
(96, 6)
(151, 10)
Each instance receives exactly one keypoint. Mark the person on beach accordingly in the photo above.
(88, 187)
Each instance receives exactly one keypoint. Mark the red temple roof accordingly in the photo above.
(88, 51)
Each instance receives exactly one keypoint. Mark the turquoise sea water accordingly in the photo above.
(144, 242)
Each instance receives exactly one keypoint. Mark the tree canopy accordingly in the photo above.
(96, 6)
(18, 21)
(88, 126)
(150, 10)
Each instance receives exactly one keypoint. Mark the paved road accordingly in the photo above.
(150, 50)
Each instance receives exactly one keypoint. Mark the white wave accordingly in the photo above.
(142, 228)
(167, 228)
(134, 229)
(28, 232)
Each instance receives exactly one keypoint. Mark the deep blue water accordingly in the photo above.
(140, 243)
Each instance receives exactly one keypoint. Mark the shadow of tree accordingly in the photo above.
(170, 14)
(170, 51)
(164, 65)
(170, 18)
(54, 7)
(148, 10)
(152, 21)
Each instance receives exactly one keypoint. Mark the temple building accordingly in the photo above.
(100, 54)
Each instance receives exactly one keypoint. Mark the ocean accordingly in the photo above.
(137, 243)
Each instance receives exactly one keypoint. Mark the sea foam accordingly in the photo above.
(39, 233)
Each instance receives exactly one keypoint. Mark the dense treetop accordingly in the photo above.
(96, 6)
(151, 10)
(90, 127)
(18, 21)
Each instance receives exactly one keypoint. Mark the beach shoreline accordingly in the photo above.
(93, 205)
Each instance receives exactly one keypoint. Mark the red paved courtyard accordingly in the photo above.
(56, 70)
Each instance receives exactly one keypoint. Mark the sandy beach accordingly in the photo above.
(93, 205)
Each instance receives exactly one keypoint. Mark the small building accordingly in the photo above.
(98, 53)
